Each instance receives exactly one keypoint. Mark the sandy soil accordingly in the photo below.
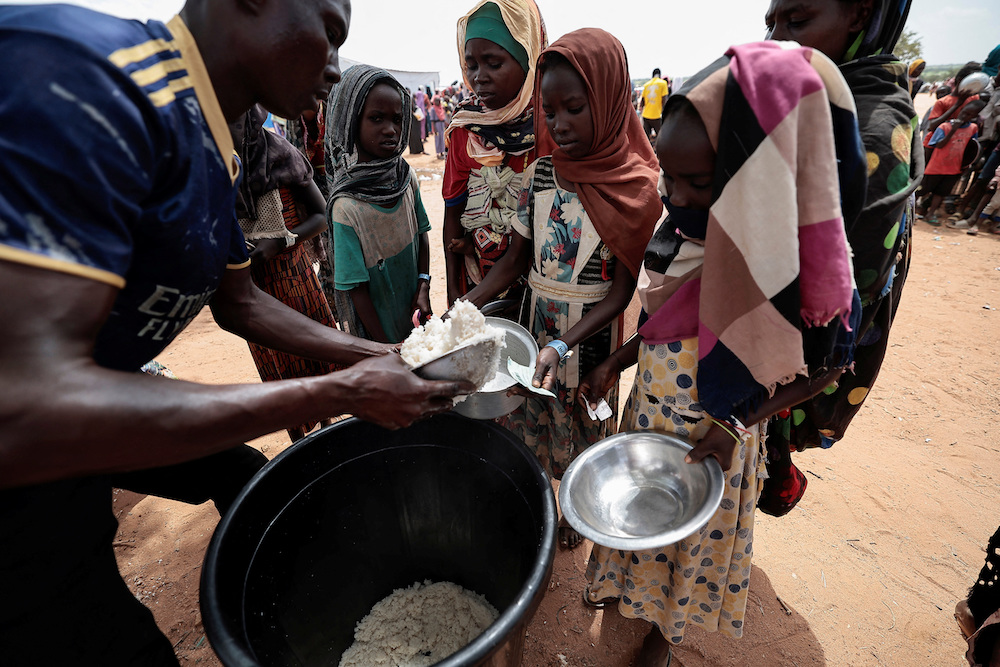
(866, 571)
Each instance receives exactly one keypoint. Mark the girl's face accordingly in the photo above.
(381, 125)
(687, 159)
(495, 76)
(825, 25)
(567, 110)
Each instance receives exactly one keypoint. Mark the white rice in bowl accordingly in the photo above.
(465, 325)
(419, 626)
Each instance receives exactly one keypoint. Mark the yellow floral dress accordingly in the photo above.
(702, 579)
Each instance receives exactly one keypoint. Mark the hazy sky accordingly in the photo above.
(678, 37)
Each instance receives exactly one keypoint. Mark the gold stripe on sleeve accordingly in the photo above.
(168, 94)
(18, 256)
(160, 70)
(236, 267)
(139, 52)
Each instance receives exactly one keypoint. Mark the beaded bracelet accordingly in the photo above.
(728, 428)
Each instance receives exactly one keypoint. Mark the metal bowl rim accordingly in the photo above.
(450, 352)
(716, 484)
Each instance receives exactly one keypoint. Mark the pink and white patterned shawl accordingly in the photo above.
(775, 257)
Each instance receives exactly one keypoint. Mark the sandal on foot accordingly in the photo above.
(597, 604)
(959, 223)
(933, 222)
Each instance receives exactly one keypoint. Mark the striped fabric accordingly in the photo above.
(775, 258)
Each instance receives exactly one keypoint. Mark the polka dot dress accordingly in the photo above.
(702, 579)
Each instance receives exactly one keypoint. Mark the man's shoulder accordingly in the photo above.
(87, 30)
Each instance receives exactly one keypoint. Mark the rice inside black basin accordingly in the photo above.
(337, 521)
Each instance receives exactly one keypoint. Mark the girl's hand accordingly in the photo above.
(265, 250)
(596, 384)
(460, 246)
(422, 301)
(717, 443)
(546, 366)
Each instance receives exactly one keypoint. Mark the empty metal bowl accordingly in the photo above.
(492, 400)
(634, 491)
(974, 83)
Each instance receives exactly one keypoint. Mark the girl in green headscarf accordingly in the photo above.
(491, 139)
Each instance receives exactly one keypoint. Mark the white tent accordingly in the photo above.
(410, 80)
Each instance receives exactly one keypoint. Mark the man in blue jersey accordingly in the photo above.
(117, 188)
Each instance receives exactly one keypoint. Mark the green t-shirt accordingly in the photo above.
(378, 245)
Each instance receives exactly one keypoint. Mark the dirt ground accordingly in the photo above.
(866, 571)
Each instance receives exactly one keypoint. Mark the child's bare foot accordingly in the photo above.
(655, 651)
(568, 537)
(966, 623)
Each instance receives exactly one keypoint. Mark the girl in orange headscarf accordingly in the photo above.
(584, 218)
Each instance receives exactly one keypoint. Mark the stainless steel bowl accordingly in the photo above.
(634, 491)
(493, 403)
(471, 362)
(974, 83)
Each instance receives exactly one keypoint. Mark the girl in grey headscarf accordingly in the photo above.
(377, 219)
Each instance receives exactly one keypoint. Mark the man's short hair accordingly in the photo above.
(656, 72)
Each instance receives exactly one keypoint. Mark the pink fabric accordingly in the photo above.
(827, 274)
(780, 79)
(677, 322)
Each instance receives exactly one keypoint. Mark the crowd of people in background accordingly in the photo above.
(961, 139)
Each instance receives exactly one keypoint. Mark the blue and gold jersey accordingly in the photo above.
(116, 165)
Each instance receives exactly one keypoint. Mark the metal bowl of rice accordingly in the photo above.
(492, 400)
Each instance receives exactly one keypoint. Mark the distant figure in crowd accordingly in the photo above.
(947, 162)
(915, 82)
(948, 106)
(420, 101)
(992, 63)
(654, 94)
(987, 214)
(414, 140)
(976, 198)
(439, 120)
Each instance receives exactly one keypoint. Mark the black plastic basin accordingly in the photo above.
(342, 518)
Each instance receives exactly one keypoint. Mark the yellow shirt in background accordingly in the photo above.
(653, 94)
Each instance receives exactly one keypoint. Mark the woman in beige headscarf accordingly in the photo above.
(491, 138)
